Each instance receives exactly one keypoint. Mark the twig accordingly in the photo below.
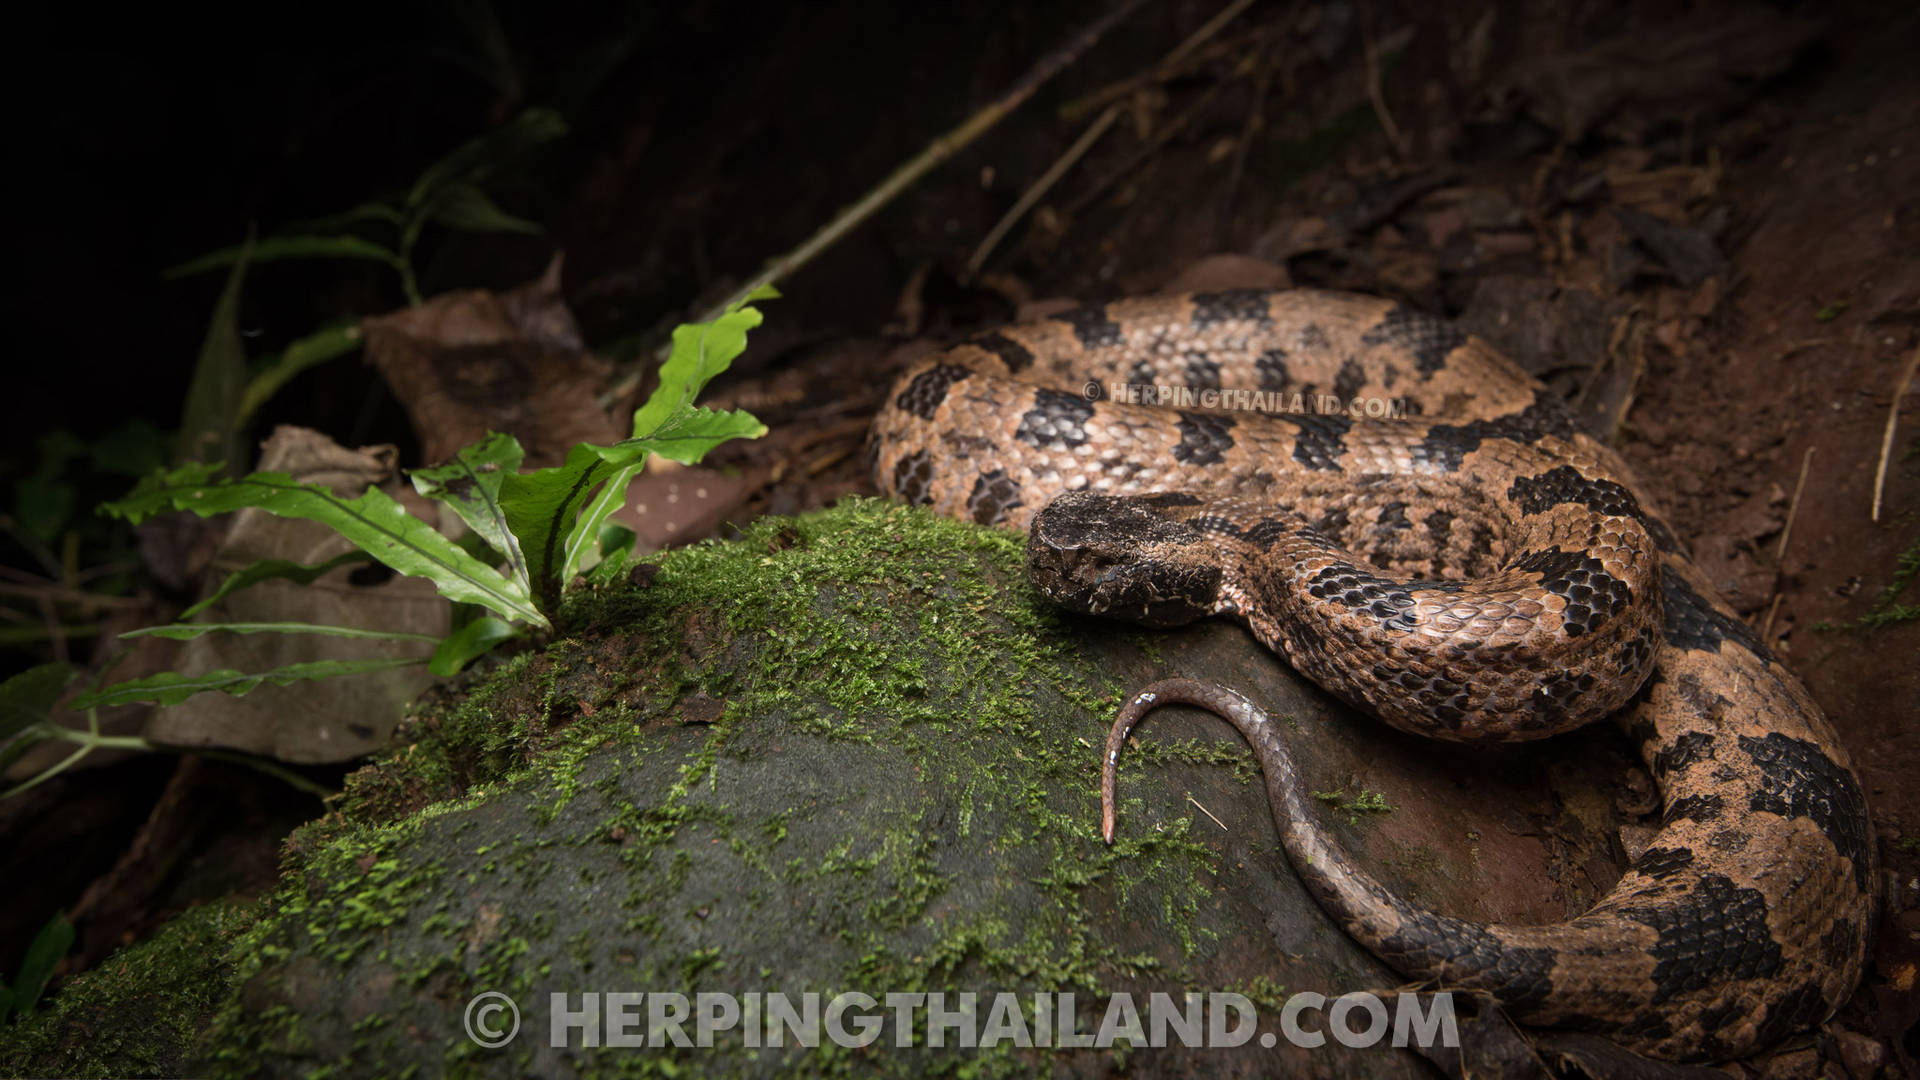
(56, 633)
(1766, 628)
(936, 152)
(86, 601)
(1209, 813)
(1099, 127)
(1886, 437)
(1168, 66)
(1256, 120)
(1160, 138)
(1379, 97)
(1041, 186)
(1793, 508)
(939, 150)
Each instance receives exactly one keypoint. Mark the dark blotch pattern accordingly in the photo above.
(1231, 305)
(1593, 596)
(929, 388)
(1349, 380)
(1716, 933)
(1351, 586)
(994, 493)
(913, 477)
(1164, 499)
(1016, 356)
(1321, 442)
(1663, 537)
(1694, 624)
(1271, 366)
(1393, 516)
(1700, 808)
(1210, 523)
(1447, 445)
(1798, 779)
(1057, 421)
(1521, 978)
(1205, 438)
(1559, 691)
(1264, 532)
(1660, 863)
(1091, 325)
(1801, 1008)
(1685, 752)
(1566, 484)
(1836, 945)
(1203, 372)
(1430, 340)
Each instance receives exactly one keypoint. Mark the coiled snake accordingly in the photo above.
(1474, 570)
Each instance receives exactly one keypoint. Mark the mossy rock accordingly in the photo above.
(851, 751)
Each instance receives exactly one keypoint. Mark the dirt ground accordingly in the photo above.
(1702, 226)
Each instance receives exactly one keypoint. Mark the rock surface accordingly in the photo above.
(854, 752)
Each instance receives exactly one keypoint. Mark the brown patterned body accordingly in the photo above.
(1475, 570)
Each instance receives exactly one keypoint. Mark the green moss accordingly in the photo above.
(1366, 802)
(138, 1012)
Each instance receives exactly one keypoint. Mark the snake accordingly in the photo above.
(1415, 524)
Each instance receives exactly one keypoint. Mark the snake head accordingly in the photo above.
(1108, 555)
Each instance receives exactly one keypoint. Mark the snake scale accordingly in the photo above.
(1475, 569)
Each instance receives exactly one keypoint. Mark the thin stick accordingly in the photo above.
(1098, 128)
(1256, 120)
(1160, 138)
(1793, 507)
(1379, 97)
(936, 152)
(1886, 437)
(1041, 186)
(1766, 628)
(1168, 65)
(1209, 813)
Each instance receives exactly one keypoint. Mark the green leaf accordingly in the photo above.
(275, 570)
(188, 631)
(616, 547)
(132, 449)
(207, 431)
(688, 434)
(49, 945)
(583, 537)
(356, 215)
(28, 698)
(274, 248)
(42, 505)
(541, 508)
(470, 484)
(374, 522)
(472, 162)
(464, 206)
(470, 641)
(171, 688)
(701, 351)
(557, 513)
(315, 348)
